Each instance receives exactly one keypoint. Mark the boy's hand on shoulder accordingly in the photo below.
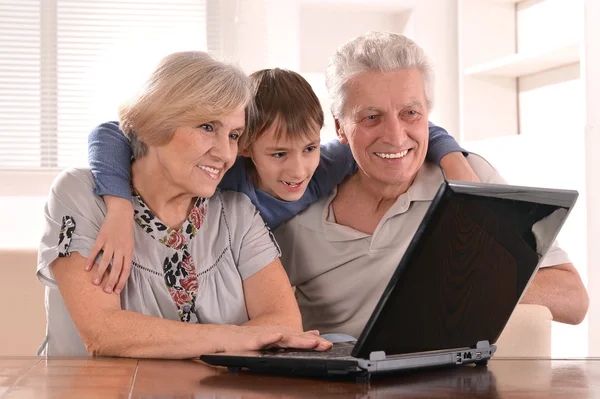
(116, 241)
(456, 167)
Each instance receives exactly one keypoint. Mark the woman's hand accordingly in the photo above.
(245, 338)
(456, 167)
(115, 240)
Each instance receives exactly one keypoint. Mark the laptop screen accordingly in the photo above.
(463, 273)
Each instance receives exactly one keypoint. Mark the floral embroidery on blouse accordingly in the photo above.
(66, 234)
(178, 268)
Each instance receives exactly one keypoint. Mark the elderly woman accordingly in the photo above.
(206, 275)
(341, 252)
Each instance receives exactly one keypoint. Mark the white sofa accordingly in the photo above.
(527, 334)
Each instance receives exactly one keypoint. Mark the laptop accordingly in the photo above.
(465, 270)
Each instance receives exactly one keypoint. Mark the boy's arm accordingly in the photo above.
(336, 163)
(109, 157)
(444, 151)
(441, 144)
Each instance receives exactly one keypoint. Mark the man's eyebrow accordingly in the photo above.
(359, 109)
(414, 103)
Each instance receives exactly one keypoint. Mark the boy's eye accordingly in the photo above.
(206, 126)
(278, 154)
(310, 148)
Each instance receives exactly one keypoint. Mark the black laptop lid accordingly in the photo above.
(466, 268)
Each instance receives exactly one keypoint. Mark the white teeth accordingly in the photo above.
(392, 156)
(209, 169)
(291, 184)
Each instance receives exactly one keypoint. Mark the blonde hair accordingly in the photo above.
(379, 51)
(186, 87)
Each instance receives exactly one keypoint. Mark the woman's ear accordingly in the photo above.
(339, 132)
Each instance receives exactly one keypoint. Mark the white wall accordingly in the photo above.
(591, 71)
(434, 26)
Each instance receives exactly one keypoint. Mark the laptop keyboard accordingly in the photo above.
(339, 350)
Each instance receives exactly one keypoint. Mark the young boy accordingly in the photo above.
(282, 167)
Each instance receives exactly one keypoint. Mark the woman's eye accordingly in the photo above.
(310, 148)
(207, 126)
(278, 154)
(234, 136)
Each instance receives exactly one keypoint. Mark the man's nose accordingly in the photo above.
(394, 132)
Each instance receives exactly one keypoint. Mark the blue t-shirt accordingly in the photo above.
(109, 156)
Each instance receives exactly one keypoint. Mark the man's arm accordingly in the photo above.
(561, 290)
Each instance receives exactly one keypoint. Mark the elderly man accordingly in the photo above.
(341, 252)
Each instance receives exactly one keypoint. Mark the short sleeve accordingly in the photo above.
(253, 243)
(72, 217)
(488, 174)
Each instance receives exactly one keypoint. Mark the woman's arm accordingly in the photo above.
(270, 299)
(270, 302)
(108, 330)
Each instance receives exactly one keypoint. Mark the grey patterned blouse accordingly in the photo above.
(193, 274)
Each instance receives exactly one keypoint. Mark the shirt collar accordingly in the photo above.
(424, 188)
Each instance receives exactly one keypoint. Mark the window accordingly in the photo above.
(65, 65)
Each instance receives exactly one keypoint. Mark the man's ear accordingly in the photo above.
(339, 132)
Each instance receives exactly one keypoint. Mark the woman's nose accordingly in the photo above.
(223, 150)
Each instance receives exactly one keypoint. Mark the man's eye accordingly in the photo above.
(371, 117)
(278, 154)
(310, 148)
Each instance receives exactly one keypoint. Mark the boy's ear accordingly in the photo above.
(339, 132)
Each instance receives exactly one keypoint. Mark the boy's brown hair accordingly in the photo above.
(283, 97)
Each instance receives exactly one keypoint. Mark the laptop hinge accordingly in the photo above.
(378, 355)
(482, 344)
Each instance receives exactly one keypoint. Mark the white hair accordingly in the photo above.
(380, 51)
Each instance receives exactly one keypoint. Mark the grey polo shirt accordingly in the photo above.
(340, 273)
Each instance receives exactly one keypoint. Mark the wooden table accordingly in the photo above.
(34, 377)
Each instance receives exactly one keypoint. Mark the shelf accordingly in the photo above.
(525, 64)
